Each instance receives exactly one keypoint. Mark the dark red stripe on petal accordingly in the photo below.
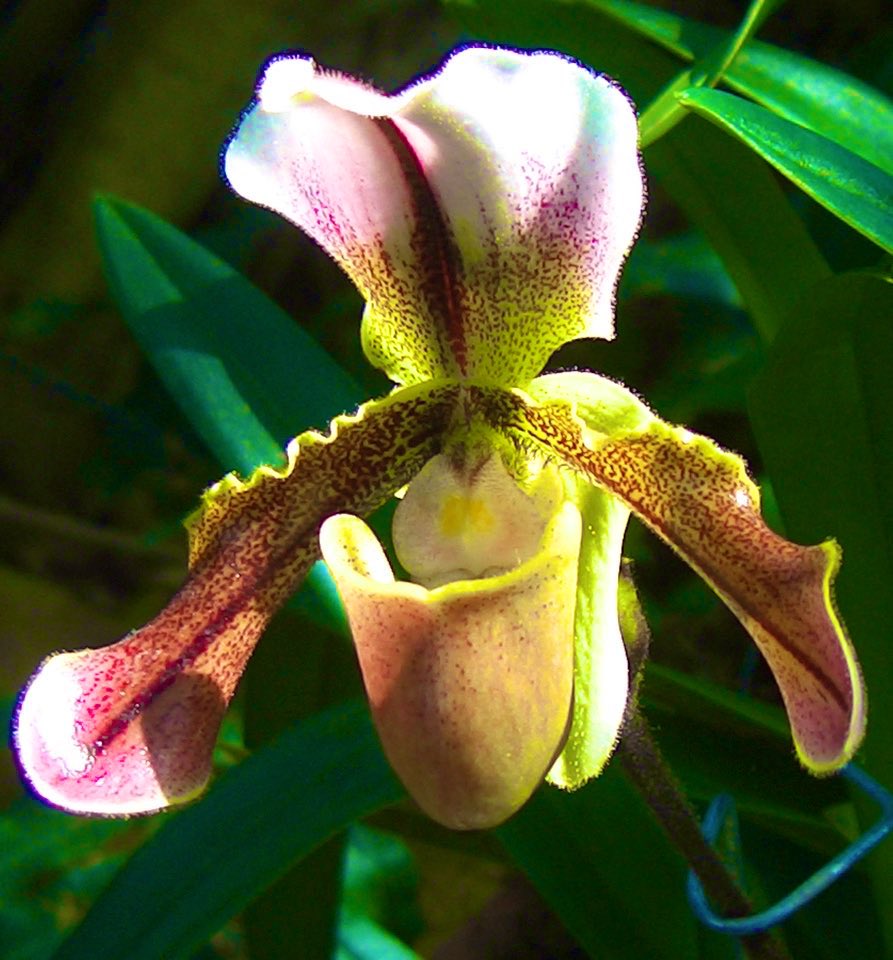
(718, 528)
(129, 728)
(437, 256)
(166, 625)
(248, 557)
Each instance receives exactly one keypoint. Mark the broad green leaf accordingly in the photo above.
(246, 375)
(726, 51)
(735, 199)
(736, 713)
(208, 862)
(380, 884)
(797, 88)
(683, 266)
(52, 864)
(832, 103)
(822, 412)
(602, 863)
(664, 112)
(295, 672)
(849, 186)
(381, 880)
(360, 938)
(843, 922)
(718, 741)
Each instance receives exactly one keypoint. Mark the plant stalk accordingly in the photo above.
(645, 766)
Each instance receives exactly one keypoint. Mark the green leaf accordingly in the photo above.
(380, 886)
(843, 922)
(381, 881)
(718, 741)
(849, 186)
(735, 199)
(360, 938)
(207, 862)
(797, 88)
(664, 111)
(50, 865)
(295, 672)
(683, 266)
(822, 413)
(245, 374)
(830, 102)
(698, 697)
(726, 51)
(602, 863)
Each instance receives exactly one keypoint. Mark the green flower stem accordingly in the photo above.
(709, 74)
(646, 768)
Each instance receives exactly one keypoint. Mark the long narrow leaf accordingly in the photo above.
(598, 857)
(822, 412)
(245, 374)
(717, 741)
(727, 191)
(849, 186)
(797, 88)
(207, 862)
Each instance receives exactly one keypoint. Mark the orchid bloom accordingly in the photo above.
(484, 213)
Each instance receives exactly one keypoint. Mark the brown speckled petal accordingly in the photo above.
(129, 728)
(700, 500)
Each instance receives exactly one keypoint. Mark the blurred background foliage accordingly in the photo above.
(98, 465)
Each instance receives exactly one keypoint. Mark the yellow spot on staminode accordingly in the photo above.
(462, 515)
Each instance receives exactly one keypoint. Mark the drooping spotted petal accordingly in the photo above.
(129, 728)
(701, 501)
(469, 683)
(483, 212)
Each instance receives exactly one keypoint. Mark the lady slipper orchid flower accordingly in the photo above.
(484, 213)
